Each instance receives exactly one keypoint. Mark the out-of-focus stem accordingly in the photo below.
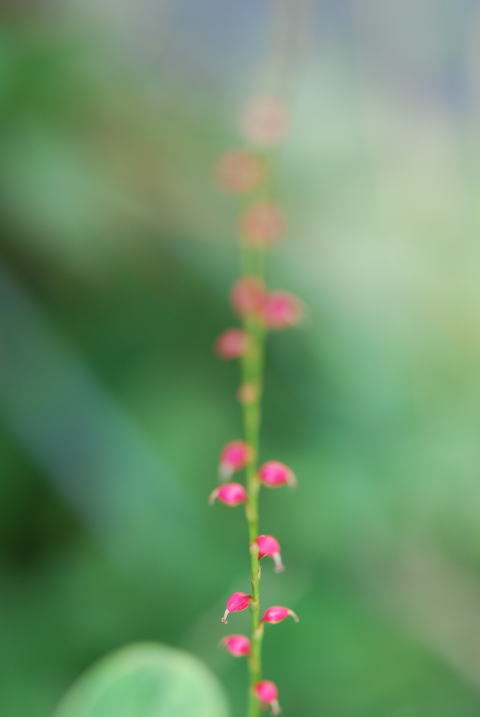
(252, 366)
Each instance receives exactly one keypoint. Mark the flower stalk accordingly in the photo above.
(252, 369)
(260, 310)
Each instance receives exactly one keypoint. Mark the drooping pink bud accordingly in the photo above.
(276, 614)
(281, 310)
(236, 603)
(267, 693)
(231, 344)
(239, 171)
(247, 393)
(237, 645)
(264, 120)
(274, 473)
(231, 494)
(234, 456)
(268, 546)
(262, 223)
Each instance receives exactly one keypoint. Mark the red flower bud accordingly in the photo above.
(231, 494)
(268, 546)
(264, 120)
(274, 473)
(232, 344)
(239, 171)
(234, 456)
(267, 693)
(236, 603)
(237, 645)
(276, 614)
(262, 223)
(281, 310)
(247, 393)
(248, 295)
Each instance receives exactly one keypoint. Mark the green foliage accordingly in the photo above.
(145, 680)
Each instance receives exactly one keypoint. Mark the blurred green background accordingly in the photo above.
(116, 257)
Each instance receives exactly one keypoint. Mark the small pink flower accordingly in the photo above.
(262, 223)
(248, 295)
(237, 645)
(236, 603)
(231, 494)
(268, 546)
(264, 120)
(239, 171)
(267, 693)
(281, 310)
(234, 456)
(232, 344)
(276, 614)
(274, 473)
(247, 393)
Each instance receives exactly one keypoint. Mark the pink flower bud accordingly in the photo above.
(234, 456)
(247, 393)
(231, 344)
(237, 645)
(231, 494)
(248, 295)
(276, 614)
(268, 546)
(274, 473)
(267, 693)
(239, 171)
(264, 120)
(281, 310)
(236, 603)
(262, 223)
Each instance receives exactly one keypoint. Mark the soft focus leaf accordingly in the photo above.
(145, 680)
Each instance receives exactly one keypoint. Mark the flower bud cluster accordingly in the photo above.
(251, 301)
(260, 309)
(234, 457)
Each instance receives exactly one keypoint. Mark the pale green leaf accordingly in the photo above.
(145, 680)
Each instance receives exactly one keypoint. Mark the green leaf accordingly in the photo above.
(145, 680)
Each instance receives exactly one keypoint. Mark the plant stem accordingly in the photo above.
(252, 369)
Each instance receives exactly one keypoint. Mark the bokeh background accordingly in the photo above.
(116, 256)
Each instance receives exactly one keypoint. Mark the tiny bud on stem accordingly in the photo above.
(231, 494)
(234, 457)
(274, 473)
(268, 546)
(236, 603)
(262, 224)
(277, 613)
(237, 645)
(232, 344)
(267, 693)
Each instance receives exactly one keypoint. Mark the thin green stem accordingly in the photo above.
(252, 366)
